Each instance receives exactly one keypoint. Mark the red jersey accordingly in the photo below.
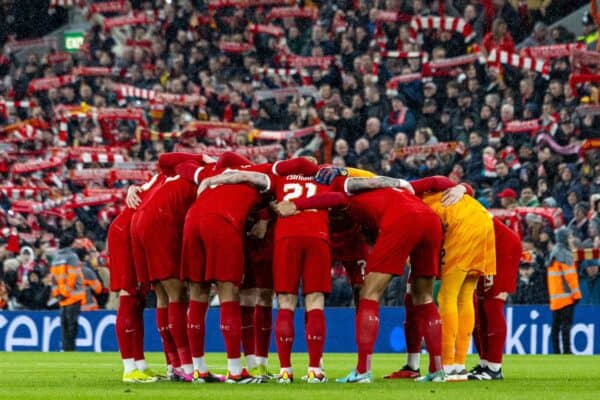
(347, 240)
(173, 197)
(308, 223)
(370, 207)
(233, 202)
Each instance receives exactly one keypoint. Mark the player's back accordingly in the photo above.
(172, 198)
(311, 223)
(372, 206)
(232, 201)
(465, 215)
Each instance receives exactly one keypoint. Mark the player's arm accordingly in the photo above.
(322, 201)
(133, 199)
(380, 182)
(168, 162)
(295, 166)
(257, 179)
(229, 159)
(453, 192)
(190, 170)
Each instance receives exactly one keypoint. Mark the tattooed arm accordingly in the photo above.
(261, 181)
(378, 182)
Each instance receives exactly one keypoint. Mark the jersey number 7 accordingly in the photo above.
(296, 190)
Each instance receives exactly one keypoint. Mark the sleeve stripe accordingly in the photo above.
(274, 168)
(196, 173)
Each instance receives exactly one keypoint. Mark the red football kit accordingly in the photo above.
(302, 240)
(121, 262)
(348, 245)
(157, 230)
(508, 256)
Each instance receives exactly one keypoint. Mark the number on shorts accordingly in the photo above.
(296, 190)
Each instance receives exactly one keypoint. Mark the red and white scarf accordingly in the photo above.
(552, 51)
(43, 84)
(293, 12)
(527, 63)
(444, 23)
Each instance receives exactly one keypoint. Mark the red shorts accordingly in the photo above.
(223, 249)
(258, 262)
(418, 235)
(355, 271)
(508, 257)
(122, 267)
(306, 258)
(156, 242)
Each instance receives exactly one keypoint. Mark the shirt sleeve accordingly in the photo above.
(229, 159)
(432, 184)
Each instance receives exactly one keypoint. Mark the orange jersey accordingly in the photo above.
(469, 242)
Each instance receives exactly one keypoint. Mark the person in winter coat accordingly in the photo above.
(563, 290)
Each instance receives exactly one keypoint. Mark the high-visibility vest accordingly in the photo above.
(563, 285)
(588, 39)
(92, 286)
(68, 283)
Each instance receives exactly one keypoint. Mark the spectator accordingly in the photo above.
(564, 292)
(499, 38)
(67, 289)
(531, 288)
(508, 199)
(539, 37)
(504, 180)
(35, 293)
(579, 224)
(528, 198)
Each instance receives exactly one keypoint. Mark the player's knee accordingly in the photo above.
(228, 291)
(287, 301)
(314, 301)
(199, 292)
(374, 286)
(248, 297)
(265, 297)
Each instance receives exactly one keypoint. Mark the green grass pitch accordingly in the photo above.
(97, 376)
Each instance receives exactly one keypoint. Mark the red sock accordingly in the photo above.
(124, 325)
(315, 337)
(479, 333)
(196, 328)
(496, 329)
(162, 323)
(248, 339)
(263, 320)
(138, 335)
(431, 328)
(231, 327)
(178, 329)
(412, 328)
(284, 337)
(367, 328)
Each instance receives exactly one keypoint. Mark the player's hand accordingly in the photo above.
(453, 195)
(326, 175)
(488, 282)
(285, 209)
(406, 186)
(259, 229)
(133, 200)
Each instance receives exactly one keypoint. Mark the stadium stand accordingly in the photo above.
(486, 92)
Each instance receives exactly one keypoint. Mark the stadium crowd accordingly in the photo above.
(355, 83)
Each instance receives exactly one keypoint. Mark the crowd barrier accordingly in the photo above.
(528, 331)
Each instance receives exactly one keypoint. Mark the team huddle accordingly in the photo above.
(259, 230)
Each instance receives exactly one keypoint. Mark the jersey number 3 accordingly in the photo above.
(296, 190)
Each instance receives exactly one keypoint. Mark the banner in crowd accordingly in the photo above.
(528, 331)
